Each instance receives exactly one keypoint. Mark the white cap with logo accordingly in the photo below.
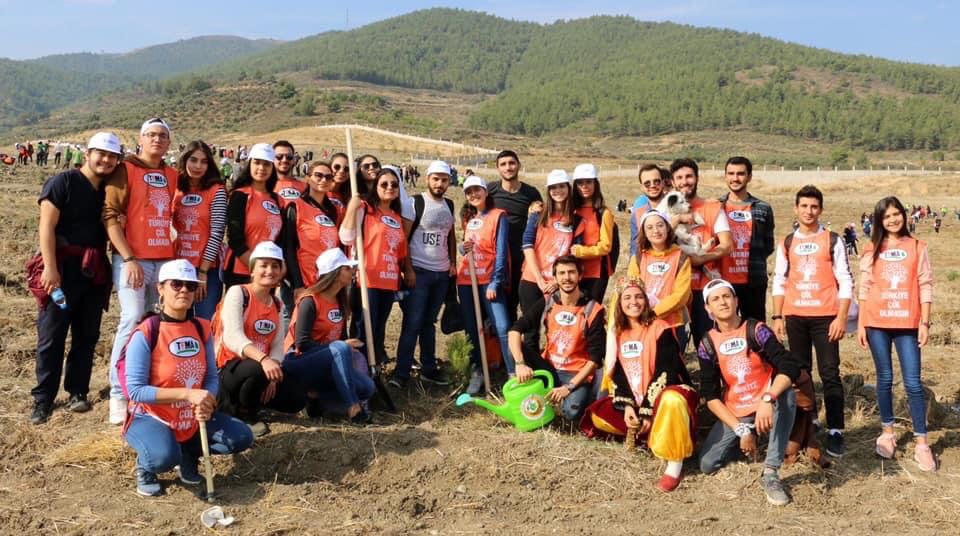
(557, 176)
(715, 285)
(585, 171)
(266, 250)
(155, 122)
(474, 180)
(438, 166)
(177, 269)
(262, 151)
(105, 141)
(332, 259)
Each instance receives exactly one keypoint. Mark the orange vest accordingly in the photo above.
(316, 233)
(658, 275)
(735, 267)
(262, 223)
(385, 246)
(338, 204)
(260, 325)
(745, 374)
(553, 241)
(591, 235)
(893, 301)
(149, 209)
(482, 229)
(638, 213)
(289, 190)
(327, 326)
(191, 219)
(179, 360)
(566, 327)
(708, 209)
(811, 287)
(637, 355)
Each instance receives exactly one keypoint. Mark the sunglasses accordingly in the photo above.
(176, 285)
(389, 185)
(370, 165)
(323, 176)
(654, 182)
(282, 157)
(338, 167)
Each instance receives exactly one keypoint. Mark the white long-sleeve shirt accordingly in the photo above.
(234, 338)
(841, 267)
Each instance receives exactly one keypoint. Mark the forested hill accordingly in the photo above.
(160, 61)
(620, 76)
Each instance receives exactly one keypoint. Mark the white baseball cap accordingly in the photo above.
(154, 122)
(474, 180)
(262, 151)
(178, 269)
(438, 166)
(266, 250)
(715, 285)
(585, 171)
(332, 259)
(654, 212)
(557, 176)
(105, 141)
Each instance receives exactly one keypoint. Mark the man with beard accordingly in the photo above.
(654, 188)
(751, 228)
(715, 230)
(72, 244)
(514, 196)
(433, 254)
(288, 189)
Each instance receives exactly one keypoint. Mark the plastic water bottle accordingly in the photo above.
(59, 298)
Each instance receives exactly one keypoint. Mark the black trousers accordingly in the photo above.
(700, 322)
(82, 318)
(595, 287)
(530, 296)
(753, 300)
(242, 382)
(806, 333)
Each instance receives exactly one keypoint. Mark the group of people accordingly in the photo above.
(234, 300)
(65, 154)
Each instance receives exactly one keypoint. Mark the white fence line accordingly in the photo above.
(470, 149)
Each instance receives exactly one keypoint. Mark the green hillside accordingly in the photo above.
(160, 61)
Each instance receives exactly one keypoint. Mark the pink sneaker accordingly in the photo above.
(887, 445)
(925, 458)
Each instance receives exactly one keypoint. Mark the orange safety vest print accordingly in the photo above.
(746, 375)
(149, 211)
(893, 300)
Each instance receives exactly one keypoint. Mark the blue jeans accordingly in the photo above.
(158, 450)
(134, 302)
(327, 368)
(208, 306)
(497, 311)
(721, 443)
(381, 302)
(578, 400)
(420, 309)
(908, 350)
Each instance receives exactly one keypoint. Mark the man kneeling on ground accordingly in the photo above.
(574, 327)
(746, 378)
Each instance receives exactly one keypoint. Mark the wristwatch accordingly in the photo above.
(768, 398)
(742, 430)
(570, 386)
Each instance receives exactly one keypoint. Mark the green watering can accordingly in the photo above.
(525, 404)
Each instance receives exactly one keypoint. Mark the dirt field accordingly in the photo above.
(433, 468)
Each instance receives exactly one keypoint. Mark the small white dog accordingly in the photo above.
(675, 204)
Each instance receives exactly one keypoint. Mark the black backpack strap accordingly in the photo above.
(707, 342)
(153, 330)
(752, 342)
(199, 328)
(246, 296)
(418, 208)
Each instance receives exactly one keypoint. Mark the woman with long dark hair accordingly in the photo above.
(200, 218)
(896, 293)
(339, 194)
(310, 227)
(598, 232)
(253, 213)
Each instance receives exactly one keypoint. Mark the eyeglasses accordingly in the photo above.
(282, 157)
(389, 185)
(370, 165)
(338, 167)
(323, 176)
(191, 286)
(654, 182)
(156, 135)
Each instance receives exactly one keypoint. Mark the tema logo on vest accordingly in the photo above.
(475, 224)
(335, 316)
(191, 200)
(565, 318)
(270, 207)
(658, 268)
(893, 255)
(289, 193)
(264, 327)
(390, 222)
(157, 180)
(324, 220)
(733, 346)
(631, 349)
(740, 215)
(184, 347)
(806, 248)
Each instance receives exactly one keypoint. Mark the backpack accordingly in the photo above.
(216, 323)
(788, 241)
(152, 321)
(419, 205)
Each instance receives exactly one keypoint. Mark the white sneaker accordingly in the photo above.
(476, 382)
(118, 411)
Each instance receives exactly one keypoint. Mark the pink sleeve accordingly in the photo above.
(866, 274)
(924, 273)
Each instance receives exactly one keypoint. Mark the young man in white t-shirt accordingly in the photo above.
(433, 253)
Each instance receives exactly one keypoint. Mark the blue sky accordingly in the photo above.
(919, 31)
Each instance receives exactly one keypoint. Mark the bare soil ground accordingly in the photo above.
(433, 468)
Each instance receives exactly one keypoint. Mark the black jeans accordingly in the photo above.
(806, 333)
(242, 381)
(530, 297)
(753, 300)
(82, 317)
(700, 322)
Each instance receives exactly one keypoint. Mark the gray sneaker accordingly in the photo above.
(773, 487)
(476, 382)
